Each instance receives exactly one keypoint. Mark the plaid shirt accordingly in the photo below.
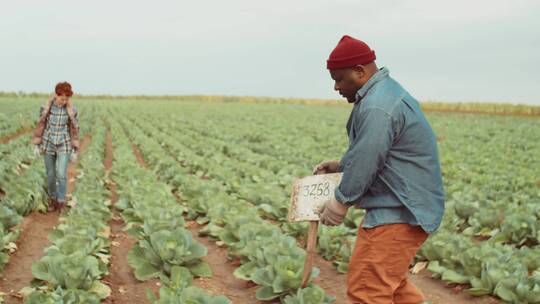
(56, 138)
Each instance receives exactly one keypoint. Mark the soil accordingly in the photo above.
(139, 156)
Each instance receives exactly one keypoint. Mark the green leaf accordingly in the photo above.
(278, 285)
(435, 268)
(145, 271)
(201, 269)
(197, 251)
(40, 270)
(136, 256)
(102, 290)
(504, 293)
(262, 277)
(180, 277)
(245, 271)
(477, 292)
(451, 276)
(266, 293)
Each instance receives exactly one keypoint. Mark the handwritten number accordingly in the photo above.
(317, 189)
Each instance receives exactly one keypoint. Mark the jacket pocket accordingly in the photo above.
(411, 233)
(406, 240)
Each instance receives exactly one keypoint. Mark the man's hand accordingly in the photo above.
(327, 166)
(333, 212)
(37, 151)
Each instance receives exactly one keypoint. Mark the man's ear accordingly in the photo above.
(359, 71)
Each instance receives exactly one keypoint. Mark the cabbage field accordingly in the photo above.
(186, 202)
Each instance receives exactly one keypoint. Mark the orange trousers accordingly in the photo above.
(380, 262)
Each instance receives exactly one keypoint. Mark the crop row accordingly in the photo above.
(164, 249)
(268, 257)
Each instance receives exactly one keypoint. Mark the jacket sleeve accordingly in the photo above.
(74, 128)
(40, 127)
(366, 155)
(76, 116)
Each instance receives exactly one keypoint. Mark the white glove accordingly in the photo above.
(37, 151)
(73, 156)
(334, 213)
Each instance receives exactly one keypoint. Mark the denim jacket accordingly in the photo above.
(391, 167)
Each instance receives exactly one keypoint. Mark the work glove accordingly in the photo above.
(327, 166)
(333, 212)
(73, 157)
(37, 151)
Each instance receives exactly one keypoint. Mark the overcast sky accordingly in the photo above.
(459, 50)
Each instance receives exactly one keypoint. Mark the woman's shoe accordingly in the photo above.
(60, 206)
(52, 205)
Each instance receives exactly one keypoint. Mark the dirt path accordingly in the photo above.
(17, 134)
(32, 241)
(333, 282)
(126, 289)
(18, 272)
(139, 156)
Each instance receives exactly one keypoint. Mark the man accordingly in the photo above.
(391, 169)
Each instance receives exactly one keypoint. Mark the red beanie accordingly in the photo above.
(348, 53)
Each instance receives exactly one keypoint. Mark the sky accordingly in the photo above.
(459, 50)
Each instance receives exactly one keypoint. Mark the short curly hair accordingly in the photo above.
(63, 88)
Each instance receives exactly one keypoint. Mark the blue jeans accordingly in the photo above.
(56, 166)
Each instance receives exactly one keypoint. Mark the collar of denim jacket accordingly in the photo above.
(380, 75)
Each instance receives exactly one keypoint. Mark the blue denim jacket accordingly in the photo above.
(391, 167)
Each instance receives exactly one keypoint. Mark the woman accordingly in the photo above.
(57, 137)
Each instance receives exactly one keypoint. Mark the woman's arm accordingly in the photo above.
(73, 124)
(40, 127)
